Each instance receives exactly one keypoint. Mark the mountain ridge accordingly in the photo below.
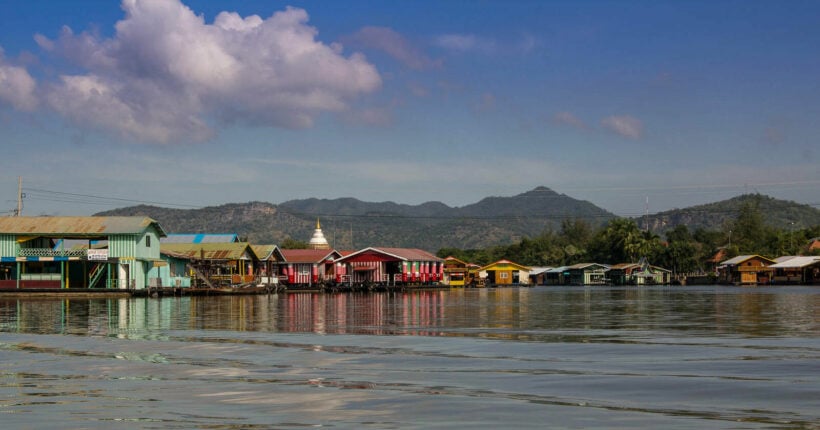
(349, 223)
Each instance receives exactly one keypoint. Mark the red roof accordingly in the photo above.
(406, 254)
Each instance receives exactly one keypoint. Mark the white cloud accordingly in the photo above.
(465, 43)
(393, 44)
(567, 118)
(624, 125)
(166, 75)
(17, 87)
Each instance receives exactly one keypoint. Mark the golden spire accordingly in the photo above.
(317, 223)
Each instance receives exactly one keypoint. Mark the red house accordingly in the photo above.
(392, 266)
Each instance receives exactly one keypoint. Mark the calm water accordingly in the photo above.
(545, 357)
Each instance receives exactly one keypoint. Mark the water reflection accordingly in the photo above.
(525, 313)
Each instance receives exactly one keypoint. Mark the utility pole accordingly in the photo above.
(19, 211)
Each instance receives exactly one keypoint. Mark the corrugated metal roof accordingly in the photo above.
(200, 238)
(267, 252)
(585, 265)
(406, 254)
(796, 262)
(308, 255)
(507, 262)
(210, 251)
(77, 226)
(741, 258)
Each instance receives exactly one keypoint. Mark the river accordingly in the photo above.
(543, 357)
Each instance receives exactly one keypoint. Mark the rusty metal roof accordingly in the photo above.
(309, 255)
(267, 252)
(77, 226)
(210, 251)
(405, 254)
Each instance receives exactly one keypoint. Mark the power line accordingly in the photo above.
(61, 196)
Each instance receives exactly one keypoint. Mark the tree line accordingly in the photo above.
(623, 241)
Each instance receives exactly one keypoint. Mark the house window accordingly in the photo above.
(504, 275)
(147, 241)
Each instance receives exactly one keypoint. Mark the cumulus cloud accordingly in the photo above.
(624, 125)
(17, 87)
(567, 118)
(167, 75)
(393, 44)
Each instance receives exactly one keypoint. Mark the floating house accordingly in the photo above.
(538, 275)
(175, 271)
(557, 276)
(503, 273)
(267, 256)
(455, 271)
(745, 270)
(796, 270)
(217, 263)
(586, 274)
(640, 273)
(33, 253)
(391, 266)
(309, 267)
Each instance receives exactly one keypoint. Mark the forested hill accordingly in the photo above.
(782, 214)
(350, 223)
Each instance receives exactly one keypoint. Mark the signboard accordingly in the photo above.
(98, 255)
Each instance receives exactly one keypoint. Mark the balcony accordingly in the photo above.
(48, 252)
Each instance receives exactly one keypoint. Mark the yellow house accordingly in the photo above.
(455, 271)
(503, 272)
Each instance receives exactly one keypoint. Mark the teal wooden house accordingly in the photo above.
(78, 252)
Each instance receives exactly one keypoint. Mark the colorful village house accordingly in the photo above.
(503, 273)
(309, 267)
(587, 274)
(745, 270)
(455, 272)
(174, 271)
(391, 266)
(641, 273)
(797, 270)
(217, 264)
(33, 252)
(268, 256)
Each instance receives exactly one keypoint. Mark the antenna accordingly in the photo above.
(646, 216)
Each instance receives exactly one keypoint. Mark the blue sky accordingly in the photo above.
(201, 103)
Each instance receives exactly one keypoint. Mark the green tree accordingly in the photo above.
(290, 243)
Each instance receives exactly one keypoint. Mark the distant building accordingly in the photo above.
(455, 271)
(797, 270)
(587, 274)
(504, 272)
(745, 270)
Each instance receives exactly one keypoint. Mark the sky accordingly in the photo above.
(634, 106)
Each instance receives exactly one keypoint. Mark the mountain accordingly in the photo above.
(349, 223)
(713, 216)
